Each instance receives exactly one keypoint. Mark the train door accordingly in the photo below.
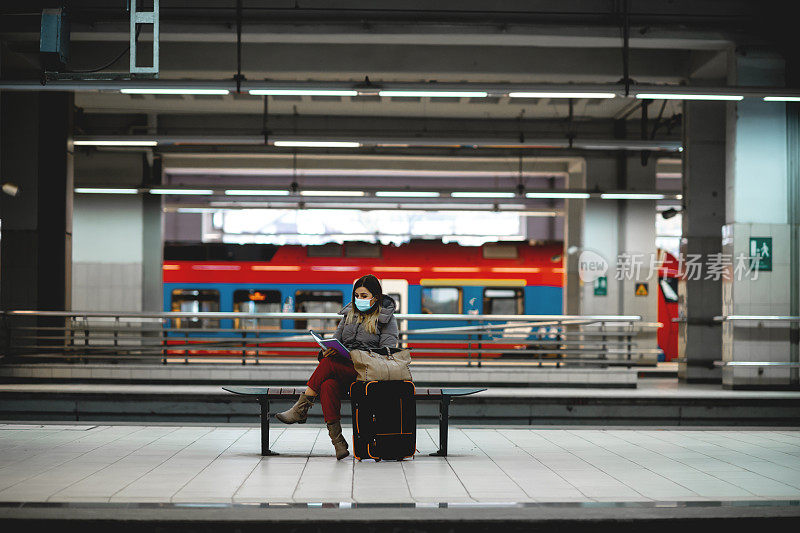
(397, 289)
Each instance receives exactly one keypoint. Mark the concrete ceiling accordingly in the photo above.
(466, 41)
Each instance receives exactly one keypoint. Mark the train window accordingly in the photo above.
(362, 249)
(257, 301)
(318, 302)
(396, 297)
(669, 287)
(441, 300)
(195, 301)
(325, 250)
(500, 251)
(503, 302)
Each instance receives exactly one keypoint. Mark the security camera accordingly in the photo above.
(669, 213)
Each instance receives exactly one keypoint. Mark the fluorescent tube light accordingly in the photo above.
(155, 90)
(408, 194)
(448, 207)
(303, 92)
(434, 94)
(557, 195)
(561, 95)
(196, 210)
(537, 213)
(115, 143)
(182, 191)
(256, 192)
(318, 144)
(97, 190)
(332, 193)
(782, 98)
(631, 196)
(658, 96)
(482, 194)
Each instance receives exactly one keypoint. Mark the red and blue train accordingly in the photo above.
(423, 276)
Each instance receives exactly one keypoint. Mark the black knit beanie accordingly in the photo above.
(372, 284)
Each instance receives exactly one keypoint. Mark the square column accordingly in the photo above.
(760, 221)
(36, 155)
(613, 230)
(700, 295)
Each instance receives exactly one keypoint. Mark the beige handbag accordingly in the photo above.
(372, 366)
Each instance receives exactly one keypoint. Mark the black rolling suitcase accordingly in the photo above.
(384, 419)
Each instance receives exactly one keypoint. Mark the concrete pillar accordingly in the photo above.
(793, 178)
(36, 155)
(152, 242)
(612, 229)
(700, 297)
(573, 239)
(761, 207)
(110, 233)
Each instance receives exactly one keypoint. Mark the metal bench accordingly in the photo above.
(264, 394)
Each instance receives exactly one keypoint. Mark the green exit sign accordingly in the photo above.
(601, 286)
(761, 248)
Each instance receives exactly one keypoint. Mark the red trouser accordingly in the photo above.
(331, 381)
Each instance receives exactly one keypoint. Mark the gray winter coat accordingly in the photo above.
(354, 335)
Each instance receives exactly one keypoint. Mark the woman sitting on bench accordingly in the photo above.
(368, 323)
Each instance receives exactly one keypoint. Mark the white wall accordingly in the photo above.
(107, 253)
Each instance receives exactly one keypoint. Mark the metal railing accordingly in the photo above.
(602, 340)
(790, 321)
(757, 318)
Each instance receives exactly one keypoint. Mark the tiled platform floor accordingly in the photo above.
(157, 463)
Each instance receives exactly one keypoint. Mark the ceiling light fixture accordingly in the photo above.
(631, 196)
(556, 195)
(560, 95)
(482, 194)
(302, 92)
(662, 96)
(408, 194)
(782, 98)
(98, 190)
(196, 192)
(434, 94)
(332, 193)
(318, 144)
(174, 91)
(538, 213)
(256, 192)
(114, 143)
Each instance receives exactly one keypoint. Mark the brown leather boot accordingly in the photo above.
(298, 412)
(339, 444)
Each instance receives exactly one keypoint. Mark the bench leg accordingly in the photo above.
(265, 428)
(444, 419)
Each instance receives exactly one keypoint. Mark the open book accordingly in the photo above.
(331, 343)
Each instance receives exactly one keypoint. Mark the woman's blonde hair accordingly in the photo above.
(370, 321)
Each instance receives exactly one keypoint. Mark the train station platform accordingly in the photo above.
(142, 474)
(655, 402)
(287, 372)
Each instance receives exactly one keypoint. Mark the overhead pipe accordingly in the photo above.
(491, 89)
(370, 141)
